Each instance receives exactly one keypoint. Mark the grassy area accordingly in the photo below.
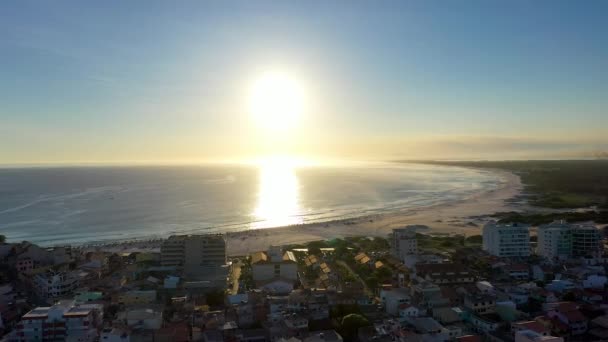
(536, 219)
(554, 183)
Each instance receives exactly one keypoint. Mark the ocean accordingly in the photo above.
(76, 205)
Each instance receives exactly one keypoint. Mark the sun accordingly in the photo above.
(276, 101)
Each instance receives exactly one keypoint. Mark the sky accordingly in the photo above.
(163, 81)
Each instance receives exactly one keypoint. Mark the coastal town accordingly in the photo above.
(512, 282)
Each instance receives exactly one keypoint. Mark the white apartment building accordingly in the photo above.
(403, 242)
(52, 284)
(561, 240)
(64, 321)
(507, 240)
(555, 240)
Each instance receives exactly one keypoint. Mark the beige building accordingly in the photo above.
(403, 242)
(199, 256)
(274, 264)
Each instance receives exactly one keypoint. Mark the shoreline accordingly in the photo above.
(465, 216)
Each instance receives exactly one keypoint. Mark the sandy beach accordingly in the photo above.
(463, 217)
(466, 216)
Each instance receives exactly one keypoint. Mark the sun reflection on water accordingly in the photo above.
(278, 195)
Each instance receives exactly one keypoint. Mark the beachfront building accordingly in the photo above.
(53, 284)
(200, 257)
(561, 240)
(62, 321)
(555, 240)
(586, 241)
(507, 240)
(274, 270)
(403, 242)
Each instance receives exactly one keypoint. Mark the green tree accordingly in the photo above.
(474, 239)
(215, 298)
(2, 239)
(350, 325)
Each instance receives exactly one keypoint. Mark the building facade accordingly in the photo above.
(507, 240)
(555, 240)
(60, 322)
(403, 242)
(274, 264)
(52, 284)
(561, 240)
(189, 250)
(586, 241)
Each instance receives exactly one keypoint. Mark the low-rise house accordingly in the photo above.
(594, 281)
(430, 329)
(408, 311)
(533, 336)
(480, 303)
(393, 298)
(447, 273)
(568, 314)
(115, 335)
(142, 318)
(54, 284)
(485, 322)
(518, 271)
(599, 327)
(560, 285)
(62, 321)
(323, 336)
(529, 325)
(136, 297)
(274, 264)
(171, 282)
(24, 264)
(83, 297)
(446, 315)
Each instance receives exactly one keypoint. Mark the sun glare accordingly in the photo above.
(276, 101)
(278, 195)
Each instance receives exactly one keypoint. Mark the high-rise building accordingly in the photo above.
(586, 240)
(507, 240)
(403, 242)
(188, 250)
(199, 256)
(562, 240)
(555, 240)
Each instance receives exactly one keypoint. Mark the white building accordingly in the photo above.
(403, 242)
(555, 240)
(51, 284)
(561, 240)
(507, 240)
(62, 321)
(393, 298)
(533, 336)
(149, 319)
(273, 265)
